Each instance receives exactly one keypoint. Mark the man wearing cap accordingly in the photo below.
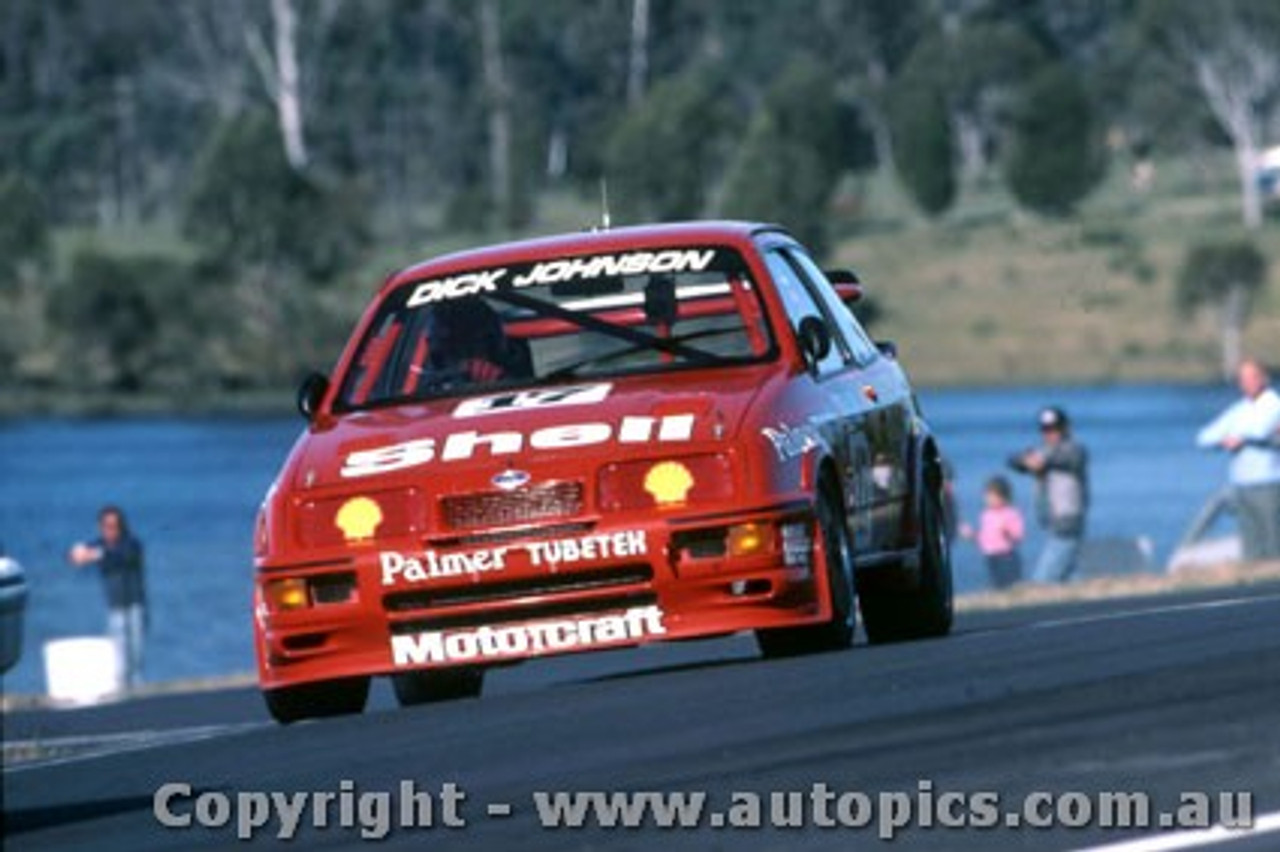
(1248, 431)
(1060, 467)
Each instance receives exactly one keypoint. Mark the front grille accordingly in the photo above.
(491, 592)
(516, 615)
(507, 508)
(539, 531)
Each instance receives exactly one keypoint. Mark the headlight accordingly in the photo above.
(666, 483)
(286, 595)
(750, 539)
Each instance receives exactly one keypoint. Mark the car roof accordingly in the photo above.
(587, 242)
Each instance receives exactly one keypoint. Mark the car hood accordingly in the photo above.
(584, 423)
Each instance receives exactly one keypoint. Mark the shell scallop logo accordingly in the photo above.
(358, 518)
(668, 483)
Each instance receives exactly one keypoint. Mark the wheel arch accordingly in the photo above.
(928, 474)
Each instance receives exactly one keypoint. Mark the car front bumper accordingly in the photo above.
(386, 610)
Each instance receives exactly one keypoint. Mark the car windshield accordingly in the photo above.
(559, 319)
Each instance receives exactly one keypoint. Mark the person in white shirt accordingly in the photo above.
(1247, 430)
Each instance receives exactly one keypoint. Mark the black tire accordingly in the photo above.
(426, 687)
(317, 700)
(837, 633)
(895, 616)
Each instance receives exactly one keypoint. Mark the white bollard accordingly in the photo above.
(82, 670)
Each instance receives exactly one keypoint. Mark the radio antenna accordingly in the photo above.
(606, 221)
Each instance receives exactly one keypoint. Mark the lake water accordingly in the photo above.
(191, 488)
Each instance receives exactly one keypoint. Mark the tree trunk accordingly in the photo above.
(1247, 167)
(288, 88)
(125, 188)
(875, 114)
(638, 61)
(1233, 97)
(1234, 312)
(498, 101)
(972, 144)
(557, 153)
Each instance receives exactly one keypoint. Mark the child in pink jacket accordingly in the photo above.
(1000, 531)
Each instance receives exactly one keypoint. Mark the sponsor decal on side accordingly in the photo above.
(431, 565)
(558, 271)
(530, 399)
(535, 637)
(461, 446)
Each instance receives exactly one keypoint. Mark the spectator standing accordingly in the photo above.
(1060, 467)
(118, 555)
(1248, 432)
(1000, 532)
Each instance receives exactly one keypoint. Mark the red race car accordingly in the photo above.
(595, 441)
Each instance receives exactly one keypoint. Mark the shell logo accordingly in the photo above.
(358, 518)
(668, 483)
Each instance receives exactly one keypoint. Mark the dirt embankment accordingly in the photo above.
(1032, 594)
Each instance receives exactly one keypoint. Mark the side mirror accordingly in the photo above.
(311, 393)
(888, 349)
(842, 276)
(847, 284)
(815, 340)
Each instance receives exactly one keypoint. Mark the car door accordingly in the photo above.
(887, 421)
(842, 416)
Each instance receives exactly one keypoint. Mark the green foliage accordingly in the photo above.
(116, 314)
(981, 62)
(922, 144)
(1057, 154)
(1210, 271)
(24, 227)
(791, 160)
(247, 206)
(662, 158)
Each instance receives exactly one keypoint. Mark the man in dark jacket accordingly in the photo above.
(118, 555)
(1060, 467)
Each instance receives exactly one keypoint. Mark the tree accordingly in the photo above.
(248, 206)
(24, 246)
(1230, 51)
(872, 40)
(1227, 276)
(282, 78)
(112, 313)
(787, 168)
(211, 39)
(979, 68)
(497, 91)
(24, 227)
(1057, 153)
(638, 54)
(923, 151)
(662, 157)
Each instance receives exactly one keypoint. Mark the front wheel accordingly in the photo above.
(426, 687)
(316, 700)
(893, 616)
(837, 632)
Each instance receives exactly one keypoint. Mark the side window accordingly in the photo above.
(864, 350)
(799, 303)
